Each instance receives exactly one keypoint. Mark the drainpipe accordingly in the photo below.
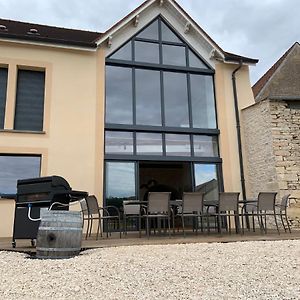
(238, 128)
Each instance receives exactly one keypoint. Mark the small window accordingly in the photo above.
(3, 87)
(150, 32)
(168, 35)
(29, 111)
(178, 145)
(118, 142)
(195, 62)
(146, 52)
(205, 146)
(174, 55)
(124, 53)
(149, 143)
(14, 167)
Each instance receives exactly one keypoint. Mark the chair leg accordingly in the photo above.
(169, 225)
(281, 217)
(287, 221)
(183, 228)
(265, 222)
(219, 224)
(276, 223)
(91, 226)
(87, 229)
(229, 217)
(98, 228)
(147, 227)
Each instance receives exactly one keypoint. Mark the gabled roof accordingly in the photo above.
(10, 29)
(261, 83)
(15, 30)
(228, 57)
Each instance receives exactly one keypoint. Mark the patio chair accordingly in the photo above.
(105, 214)
(282, 211)
(228, 206)
(158, 208)
(192, 207)
(264, 207)
(132, 211)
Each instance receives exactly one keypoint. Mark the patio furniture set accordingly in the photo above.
(193, 211)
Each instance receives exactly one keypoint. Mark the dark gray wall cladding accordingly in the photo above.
(3, 87)
(30, 100)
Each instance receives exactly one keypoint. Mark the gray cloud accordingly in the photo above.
(259, 29)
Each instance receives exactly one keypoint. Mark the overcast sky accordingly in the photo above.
(262, 29)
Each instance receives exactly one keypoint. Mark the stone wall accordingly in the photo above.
(271, 133)
(258, 149)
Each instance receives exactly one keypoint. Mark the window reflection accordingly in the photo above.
(196, 62)
(203, 103)
(149, 143)
(174, 55)
(118, 95)
(178, 145)
(120, 182)
(205, 146)
(176, 100)
(148, 98)
(146, 52)
(150, 32)
(206, 180)
(118, 142)
(168, 35)
(13, 168)
(123, 53)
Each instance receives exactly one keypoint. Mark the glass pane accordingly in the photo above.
(168, 35)
(3, 85)
(196, 62)
(176, 100)
(148, 97)
(203, 101)
(120, 182)
(118, 142)
(123, 53)
(178, 145)
(146, 52)
(205, 145)
(13, 168)
(206, 180)
(118, 95)
(149, 143)
(174, 55)
(150, 32)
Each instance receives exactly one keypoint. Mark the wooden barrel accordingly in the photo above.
(59, 234)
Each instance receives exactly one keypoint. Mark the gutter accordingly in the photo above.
(238, 128)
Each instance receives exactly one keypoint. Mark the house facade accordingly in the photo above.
(271, 128)
(152, 103)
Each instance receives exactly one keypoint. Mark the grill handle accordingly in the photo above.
(29, 213)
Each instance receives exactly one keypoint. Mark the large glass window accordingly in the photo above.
(120, 182)
(146, 52)
(203, 104)
(148, 98)
(206, 180)
(176, 99)
(205, 146)
(3, 86)
(14, 167)
(174, 55)
(119, 95)
(29, 113)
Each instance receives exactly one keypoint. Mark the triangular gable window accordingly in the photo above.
(157, 43)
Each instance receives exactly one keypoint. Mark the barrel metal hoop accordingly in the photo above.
(60, 229)
(57, 249)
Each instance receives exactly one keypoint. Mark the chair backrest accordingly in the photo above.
(285, 201)
(158, 202)
(228, 201)
(131, 209)
(84, 208)
(92, 204)
(192, 202)
(266, 200)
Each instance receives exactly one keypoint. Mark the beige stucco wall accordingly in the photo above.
(72, 143)
(226, 119)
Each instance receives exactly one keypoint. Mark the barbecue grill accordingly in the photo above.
(36, 193)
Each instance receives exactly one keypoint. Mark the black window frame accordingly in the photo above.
(208, 71)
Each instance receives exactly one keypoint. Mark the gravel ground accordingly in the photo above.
(241, 270)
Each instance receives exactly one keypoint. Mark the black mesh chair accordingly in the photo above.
(108, 215)
(192, 207)
(228, 206)
(281, 210)
(158, 209)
